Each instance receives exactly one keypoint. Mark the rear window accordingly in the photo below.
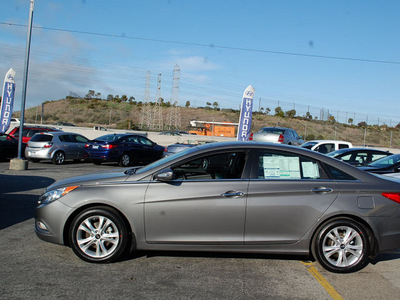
(42, 138)
(272, 130)
(109, 137)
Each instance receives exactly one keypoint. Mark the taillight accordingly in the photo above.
(87, 146)
(109, 147)
(251, 137)
(48, 145)
(281, 139)
(165, 149)
(392, 196)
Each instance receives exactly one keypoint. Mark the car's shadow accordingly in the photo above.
(17, 206)
(150, 254)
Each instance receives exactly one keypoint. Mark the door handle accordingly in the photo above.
(322, 190)
(233, 194)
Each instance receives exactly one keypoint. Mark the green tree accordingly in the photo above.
(90, 94)
(279, 112)
(124, 98)
(350, 121)
(290, 113)
(187, 104)
(110, 97)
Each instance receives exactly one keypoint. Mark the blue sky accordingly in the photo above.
(343, 56)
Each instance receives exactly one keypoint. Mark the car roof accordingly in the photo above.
(328, 141)
(56, 133)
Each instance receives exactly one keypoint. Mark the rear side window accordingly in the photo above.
(42, 138)
(343, 146)
(280, 165)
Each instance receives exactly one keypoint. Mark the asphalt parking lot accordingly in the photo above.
(31, 268)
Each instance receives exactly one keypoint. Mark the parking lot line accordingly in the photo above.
(325, 284)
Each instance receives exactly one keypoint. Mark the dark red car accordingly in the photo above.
(29, 132)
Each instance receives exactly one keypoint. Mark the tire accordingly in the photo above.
(58, 158)
(341, 246)
(99, 235)
(125, 160)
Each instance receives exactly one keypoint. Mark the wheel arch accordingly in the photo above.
(58, 150)
(374, 245)
(68, 223)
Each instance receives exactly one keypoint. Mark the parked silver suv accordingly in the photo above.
(56, 146)
(279, 135)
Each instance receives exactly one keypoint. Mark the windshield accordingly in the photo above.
(309, 145)
(386, 161)
(165, 160)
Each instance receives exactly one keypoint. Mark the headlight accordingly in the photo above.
(53, 195)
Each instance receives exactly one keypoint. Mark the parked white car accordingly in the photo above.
(326, 146)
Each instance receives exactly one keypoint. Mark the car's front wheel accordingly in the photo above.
(341, 246)
(99, 235)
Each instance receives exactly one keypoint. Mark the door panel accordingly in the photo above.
(195, 212)
(282, 211)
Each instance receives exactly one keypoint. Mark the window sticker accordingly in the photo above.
(281, 167)
(310, 170)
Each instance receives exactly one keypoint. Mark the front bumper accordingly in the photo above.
(50, 220)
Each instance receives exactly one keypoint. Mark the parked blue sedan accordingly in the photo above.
(125, 149)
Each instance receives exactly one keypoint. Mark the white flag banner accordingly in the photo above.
(246, 113)
(7, 101)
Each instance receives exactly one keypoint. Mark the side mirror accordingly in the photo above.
(164, 175)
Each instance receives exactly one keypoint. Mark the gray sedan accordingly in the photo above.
(280, 135)
(236, 197)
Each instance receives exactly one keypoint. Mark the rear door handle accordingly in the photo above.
(233, 194)
(322, 190)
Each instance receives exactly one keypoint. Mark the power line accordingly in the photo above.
(209, 45)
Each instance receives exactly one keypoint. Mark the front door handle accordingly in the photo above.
(322, 190)
(233, 194)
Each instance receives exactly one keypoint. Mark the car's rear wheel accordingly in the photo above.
(125, 160)
(341, 246)
(58, 158)
(99, 235)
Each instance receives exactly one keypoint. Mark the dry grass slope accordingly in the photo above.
(93, 112)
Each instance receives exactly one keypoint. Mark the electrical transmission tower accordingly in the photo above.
(146, 117)
(174, 116)
(157, 123)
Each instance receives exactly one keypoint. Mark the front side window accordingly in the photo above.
(287, 166)
(227, 165)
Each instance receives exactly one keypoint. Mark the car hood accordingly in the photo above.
(113, 176)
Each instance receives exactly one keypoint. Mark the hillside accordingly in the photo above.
(126, 115)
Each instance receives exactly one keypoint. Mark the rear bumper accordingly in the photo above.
(39, 154)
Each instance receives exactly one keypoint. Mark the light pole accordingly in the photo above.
(19, 163)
